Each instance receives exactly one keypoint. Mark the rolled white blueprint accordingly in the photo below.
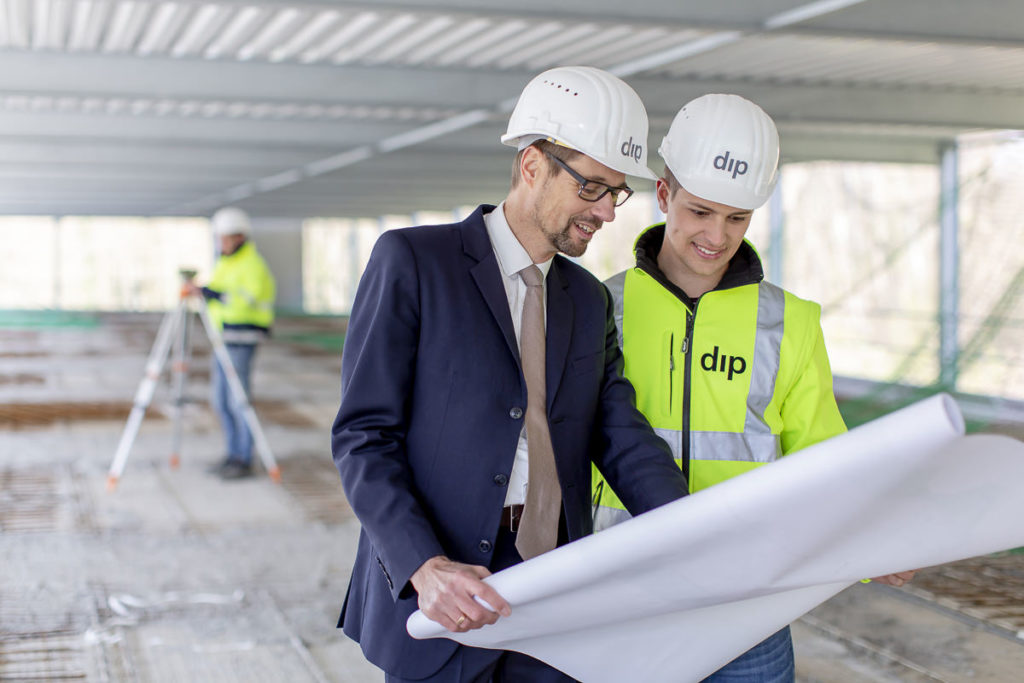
(674, 594)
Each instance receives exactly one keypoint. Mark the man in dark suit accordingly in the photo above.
(451, 470)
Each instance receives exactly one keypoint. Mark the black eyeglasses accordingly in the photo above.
(592, 190)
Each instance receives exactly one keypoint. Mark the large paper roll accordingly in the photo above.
(674, 594)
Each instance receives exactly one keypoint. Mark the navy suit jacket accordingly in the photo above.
(433, 400)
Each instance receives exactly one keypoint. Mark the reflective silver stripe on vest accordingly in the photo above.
(250, 300)
(616, 284)
(771, 311)
(762, 447)
(243, 336)
(605, 517)
(733, 447)
(674, 439)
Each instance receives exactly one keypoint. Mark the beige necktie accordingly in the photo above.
(538, 530)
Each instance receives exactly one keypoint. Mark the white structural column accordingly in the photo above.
(949, 284)
(777, 226)
(279, 241)
(58, 243)
(355, 265)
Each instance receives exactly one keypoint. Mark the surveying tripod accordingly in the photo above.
(179, 322)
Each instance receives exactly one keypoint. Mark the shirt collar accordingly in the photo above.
(744, 267)
(512, 256)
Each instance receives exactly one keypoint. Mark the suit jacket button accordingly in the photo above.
(500, 479)
(485, 546)
(516, 413)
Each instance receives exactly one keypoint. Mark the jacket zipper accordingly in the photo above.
(685, 350)
(671, 367)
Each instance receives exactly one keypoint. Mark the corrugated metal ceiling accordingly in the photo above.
(308, 35)
(357, 108)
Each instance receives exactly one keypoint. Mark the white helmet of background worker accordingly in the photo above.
(725, 149)
(231, 221)
(585, 109)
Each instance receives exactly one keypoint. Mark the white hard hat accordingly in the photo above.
(586, 109)
(725, 149)
(231, 221)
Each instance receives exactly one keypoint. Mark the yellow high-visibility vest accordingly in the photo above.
(737, 382)
(247, 292)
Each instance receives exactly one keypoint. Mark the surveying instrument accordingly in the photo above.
(176, 328)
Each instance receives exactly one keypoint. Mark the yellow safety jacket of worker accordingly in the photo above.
(732, 380)
(241, 295)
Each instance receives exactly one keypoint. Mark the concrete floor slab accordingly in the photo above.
(178, 576)
(915, 638)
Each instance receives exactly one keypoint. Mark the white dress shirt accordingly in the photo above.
(512, 257)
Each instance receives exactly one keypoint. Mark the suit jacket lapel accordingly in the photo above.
(560, 312)
(487, 275)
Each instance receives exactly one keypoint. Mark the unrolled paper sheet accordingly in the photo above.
(674, 594)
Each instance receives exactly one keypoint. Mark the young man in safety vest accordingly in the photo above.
(240, 295)
(729, 369)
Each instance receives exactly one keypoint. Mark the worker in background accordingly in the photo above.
(729, 369)
(240, 296)
(481, 377)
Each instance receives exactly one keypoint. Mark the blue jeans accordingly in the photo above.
(770, 661)
(232, 417)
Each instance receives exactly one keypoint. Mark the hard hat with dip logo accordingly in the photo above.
(588, 110)
(725, 149)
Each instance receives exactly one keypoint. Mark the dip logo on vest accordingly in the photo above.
(733, 365)
(735, 166)
(631, 149)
